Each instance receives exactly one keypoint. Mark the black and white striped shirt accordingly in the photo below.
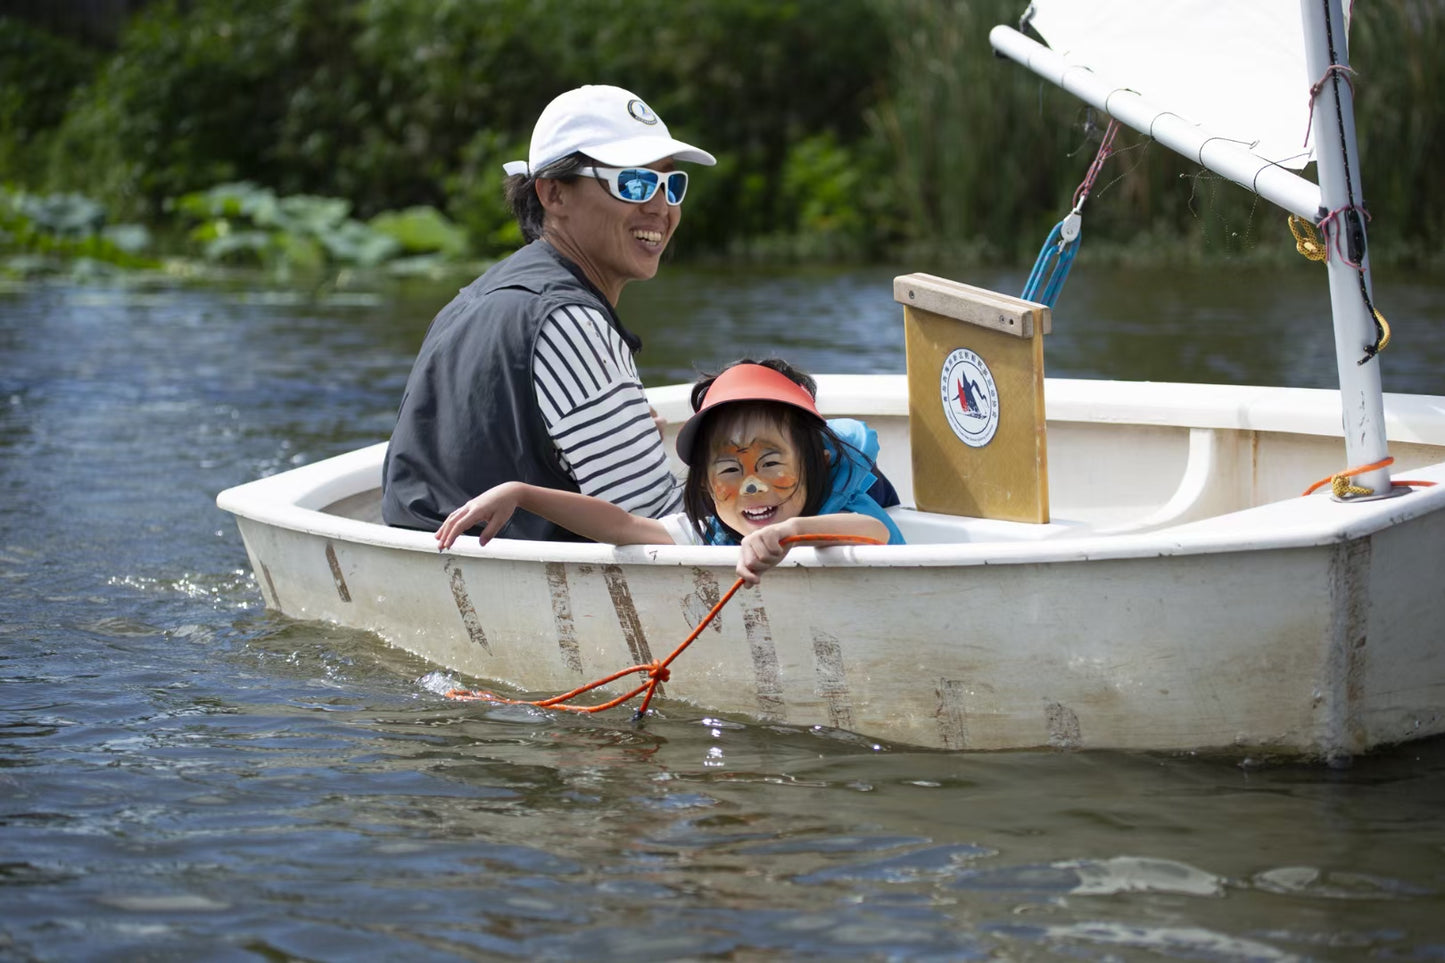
(594, 407)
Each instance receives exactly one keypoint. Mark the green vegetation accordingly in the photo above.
(311, 136)
(248, 224)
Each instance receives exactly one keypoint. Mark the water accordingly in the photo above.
(184, 776)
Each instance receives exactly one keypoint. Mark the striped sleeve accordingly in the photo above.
(597, 414)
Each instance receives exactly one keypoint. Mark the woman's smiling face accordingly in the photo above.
(613, 241)
(754, 472)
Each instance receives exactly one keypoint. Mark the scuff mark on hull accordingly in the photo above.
(832, 681)
(336, 575)
(1063, 726)
(274, 601)
(705, 595)
(465, 608)
(1350, 600)
(627, 618)
(766, 676)
(562, 616)
(952, 725)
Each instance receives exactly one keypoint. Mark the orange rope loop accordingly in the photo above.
(1340, 485)
(657, 671)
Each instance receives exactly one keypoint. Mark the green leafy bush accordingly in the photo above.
(421, 230)
(401, 103)
(42, 234)
(246, 224)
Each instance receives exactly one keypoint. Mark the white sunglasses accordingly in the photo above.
(637, 185)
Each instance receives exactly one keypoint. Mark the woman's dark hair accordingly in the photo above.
(522, 192)
(808, 435)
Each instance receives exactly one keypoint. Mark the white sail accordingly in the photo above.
(1224, 82)
(1233, 67)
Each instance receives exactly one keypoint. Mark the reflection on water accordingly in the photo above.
(185, 776)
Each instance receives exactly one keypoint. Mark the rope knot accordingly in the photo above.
(1340, 483)
(659, 672)
(1341, 487)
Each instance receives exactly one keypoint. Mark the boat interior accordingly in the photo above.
(1103, 477)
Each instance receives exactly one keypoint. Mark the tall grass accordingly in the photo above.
(989, 156)
(978, 147)
(1395, 48)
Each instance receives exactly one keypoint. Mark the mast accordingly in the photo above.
(1337, 156)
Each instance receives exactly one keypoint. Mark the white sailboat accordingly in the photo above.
(1140, 570)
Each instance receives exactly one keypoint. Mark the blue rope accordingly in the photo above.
(1046, 280)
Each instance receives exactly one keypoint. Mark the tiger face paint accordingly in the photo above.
(754, 473)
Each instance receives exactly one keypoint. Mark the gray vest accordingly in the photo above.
(469, 418)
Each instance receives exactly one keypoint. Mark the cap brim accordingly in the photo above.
(745, 382)
(646, 150)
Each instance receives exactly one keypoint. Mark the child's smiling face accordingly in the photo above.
(754, 473)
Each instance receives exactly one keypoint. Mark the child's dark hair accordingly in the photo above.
(809, 436)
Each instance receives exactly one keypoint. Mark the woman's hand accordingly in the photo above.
(491, 509)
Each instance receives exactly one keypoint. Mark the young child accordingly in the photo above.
(763, 465)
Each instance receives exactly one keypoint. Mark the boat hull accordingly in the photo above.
(1278, 629)
(1286, 652)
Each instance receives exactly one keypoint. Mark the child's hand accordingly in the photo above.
(491, 509)
(762, 550)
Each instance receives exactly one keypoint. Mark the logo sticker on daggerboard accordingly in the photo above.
(970, 400)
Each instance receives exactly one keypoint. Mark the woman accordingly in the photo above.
(528, 374)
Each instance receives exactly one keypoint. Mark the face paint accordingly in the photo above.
(754, 474)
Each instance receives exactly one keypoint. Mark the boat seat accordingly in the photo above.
(1204, 489)
(1199, 494)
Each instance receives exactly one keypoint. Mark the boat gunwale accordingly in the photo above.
(295, 500)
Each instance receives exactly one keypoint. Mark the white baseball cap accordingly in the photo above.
(614, 127)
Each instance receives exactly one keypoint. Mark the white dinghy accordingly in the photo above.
(1090, 564)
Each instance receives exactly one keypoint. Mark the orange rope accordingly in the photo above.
(1341, 487)
(657, 670)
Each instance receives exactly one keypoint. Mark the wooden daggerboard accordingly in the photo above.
(975, 399)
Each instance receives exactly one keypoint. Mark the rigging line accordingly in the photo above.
(1105, 151)
(1333, 75)
(1141, 146)
(1354, 227)
(1315, 89)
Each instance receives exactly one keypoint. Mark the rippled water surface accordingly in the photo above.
(184, 776)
